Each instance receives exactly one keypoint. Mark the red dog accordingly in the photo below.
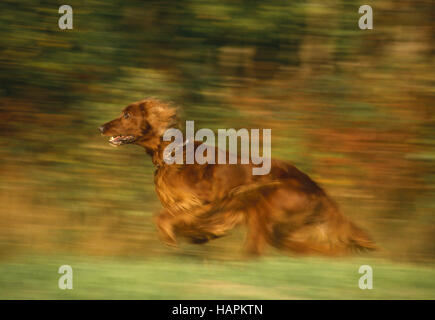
(285, 208)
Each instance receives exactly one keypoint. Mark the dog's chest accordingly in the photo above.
(174, 195)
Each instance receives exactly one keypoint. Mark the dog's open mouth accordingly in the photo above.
(120, 140)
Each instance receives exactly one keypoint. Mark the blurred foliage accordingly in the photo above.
(353, 108)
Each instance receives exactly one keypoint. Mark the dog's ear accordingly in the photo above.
(161, 116)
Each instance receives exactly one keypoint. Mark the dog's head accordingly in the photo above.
(143, 122)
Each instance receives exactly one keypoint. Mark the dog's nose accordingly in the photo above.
(101, 128)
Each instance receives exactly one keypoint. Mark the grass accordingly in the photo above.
(36, 277)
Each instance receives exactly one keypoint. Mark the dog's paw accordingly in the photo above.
(168, 240)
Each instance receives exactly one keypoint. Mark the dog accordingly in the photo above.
(285, 208)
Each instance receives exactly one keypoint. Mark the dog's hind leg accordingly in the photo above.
(256, 235)
(255, 241)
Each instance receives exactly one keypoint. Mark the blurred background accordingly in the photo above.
(352, 108)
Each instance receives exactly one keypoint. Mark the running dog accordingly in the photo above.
(285, 208)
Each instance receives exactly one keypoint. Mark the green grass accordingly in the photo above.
(191, 278)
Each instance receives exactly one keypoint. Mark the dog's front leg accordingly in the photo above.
(165, 225)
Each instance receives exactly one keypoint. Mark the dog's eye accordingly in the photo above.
(126, 115)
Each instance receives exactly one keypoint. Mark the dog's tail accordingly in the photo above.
(332, 235)
(347, 239)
